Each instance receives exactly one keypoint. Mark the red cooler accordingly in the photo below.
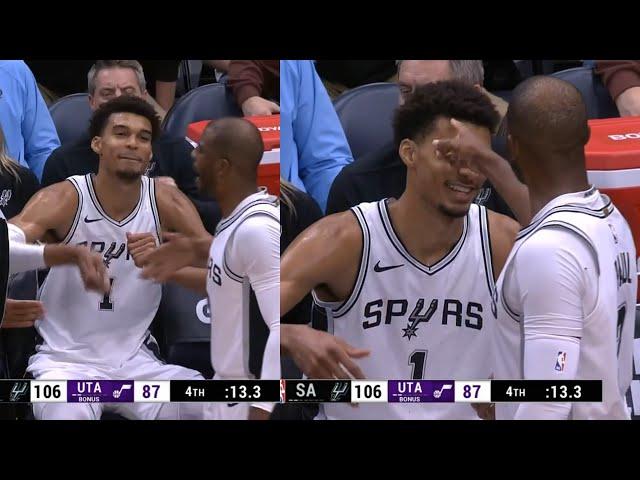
(269, 169)
(613, 164)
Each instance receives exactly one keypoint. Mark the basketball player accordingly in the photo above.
(568, 289)
(99, 337)
(244, 256)
(407, 284)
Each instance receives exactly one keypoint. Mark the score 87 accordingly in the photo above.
(152, 391)
(473, 391)
(146, 391)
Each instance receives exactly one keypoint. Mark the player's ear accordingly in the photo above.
(96, 144)
(225, 164)
(407, 150)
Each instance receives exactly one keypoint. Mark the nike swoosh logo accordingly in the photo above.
(231, 404)
(88, 220)
(378, 268)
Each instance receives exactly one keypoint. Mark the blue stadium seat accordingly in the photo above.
(208, 102)
(184, 324)
(366, 115)
(596, 97)
(71, 116)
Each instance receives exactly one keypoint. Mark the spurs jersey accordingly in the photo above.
(233, 345)
(418, 321)
(87, 327)
(606, 337)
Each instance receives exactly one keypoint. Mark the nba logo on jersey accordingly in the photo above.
(561, 361)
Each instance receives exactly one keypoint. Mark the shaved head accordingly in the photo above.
(237, 140)
(548, 116)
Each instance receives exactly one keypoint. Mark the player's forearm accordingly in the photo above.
(201, 246)
(24, 257)
(512, 190)
(192, 278)
(270, 364)
(548, 357)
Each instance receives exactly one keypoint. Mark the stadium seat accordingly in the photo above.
(208, 102)
(71, 116)
(188, 76)
(596, 97)
(185, 325)
(366, 115)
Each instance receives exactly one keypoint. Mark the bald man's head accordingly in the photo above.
(237, 140)
(548, 115)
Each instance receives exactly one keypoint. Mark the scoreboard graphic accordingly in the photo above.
(299, 391)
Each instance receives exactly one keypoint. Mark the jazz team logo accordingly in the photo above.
(561, 361)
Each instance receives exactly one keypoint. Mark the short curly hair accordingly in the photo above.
(124, 104)
(416, 118)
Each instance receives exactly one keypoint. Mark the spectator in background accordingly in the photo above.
(313, 146)
(28, 129)
(172, 160)
(338, 76)
(382, 174)
(255, 84)
(622, 79)
(161, 76)
(59, 78)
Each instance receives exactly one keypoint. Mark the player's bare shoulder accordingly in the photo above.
(334, 234)
(177, 212)
(503, 231)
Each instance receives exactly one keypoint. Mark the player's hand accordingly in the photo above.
(259, 106)
(486, 411)
(139, 246)
(22, 313)
(465, 149)
(92, 270)
(176, 252)
(322, 355)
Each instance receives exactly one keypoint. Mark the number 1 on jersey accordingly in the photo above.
(107, 303)
(418, 360)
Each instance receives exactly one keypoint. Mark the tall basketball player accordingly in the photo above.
(568, 289)
(407, 284)
(91, 336)
(244, 257)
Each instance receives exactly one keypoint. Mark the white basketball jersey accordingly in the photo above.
(229, 292)
(418, 321)
(607, 332)
(87, 327)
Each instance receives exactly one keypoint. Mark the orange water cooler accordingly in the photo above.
(613, 164)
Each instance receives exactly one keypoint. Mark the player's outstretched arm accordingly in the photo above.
(326, 251)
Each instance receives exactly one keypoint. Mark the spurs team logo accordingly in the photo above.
(339, 391)
(382, 312)
(416, 318)
(111, 253)
(5, 197)
(18, 391)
